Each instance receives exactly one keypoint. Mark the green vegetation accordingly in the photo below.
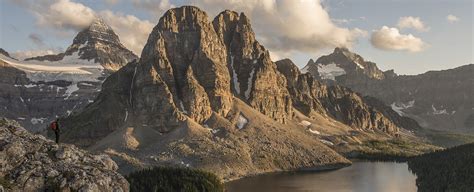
(447, 139)
(447, 170)
(399, 150)
(174, 179)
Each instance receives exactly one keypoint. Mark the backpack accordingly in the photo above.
(53, 126)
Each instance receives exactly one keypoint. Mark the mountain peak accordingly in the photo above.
(98, 31)
(97, 43)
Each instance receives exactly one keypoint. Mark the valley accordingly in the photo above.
(205, 107)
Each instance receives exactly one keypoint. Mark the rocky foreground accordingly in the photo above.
(31, 162)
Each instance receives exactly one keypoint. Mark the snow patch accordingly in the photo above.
(398, 107)
(438, 111)
(305, 123)
(326, 142)
(242, 121)
(359, 65)
(35, 121)
(330, 71)
(70, 89)
(87, 84)
(30, 85)
(234, 76)
(126, 116)
(182, 107)
(250, 84)
(70, 68)
(314, 132)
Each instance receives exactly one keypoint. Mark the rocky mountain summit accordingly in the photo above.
(97, 43)
(342, 62)
(31, 162)
(39, 89)
(206, 95)
(439, 100)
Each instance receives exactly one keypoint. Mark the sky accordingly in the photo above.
(409, 36)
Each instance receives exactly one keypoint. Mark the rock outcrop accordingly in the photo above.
(312, 96)
(30, 162)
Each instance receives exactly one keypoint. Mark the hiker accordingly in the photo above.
(55, 127)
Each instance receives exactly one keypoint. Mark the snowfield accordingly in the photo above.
(330, 71)
(242, 121)
(70, 68)
(398, 107)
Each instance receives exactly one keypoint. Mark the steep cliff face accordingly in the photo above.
(255, 78)
(178, 105)
(38, 90)
(311, 96)
(32, 163)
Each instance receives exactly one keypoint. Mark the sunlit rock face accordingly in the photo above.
(255, 78)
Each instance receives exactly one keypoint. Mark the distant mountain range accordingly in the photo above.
(39, 89)
(205, 94)
(441, 100)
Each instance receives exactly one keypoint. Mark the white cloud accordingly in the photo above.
(283, 25)
(63, 14)
(390, 39)
(413, 23)
(32, 53)
(132, 31)
(452, 18)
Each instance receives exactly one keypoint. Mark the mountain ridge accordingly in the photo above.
(436, 99)
(205, 91)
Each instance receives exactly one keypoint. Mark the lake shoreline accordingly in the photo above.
(360, 176)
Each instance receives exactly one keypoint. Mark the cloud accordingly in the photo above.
(413, 23)
(132, 31)
(390, 39)
(33, 53)
(36, 39)
(452, 18)
(283, 25)
(64, 17)
(62, 14)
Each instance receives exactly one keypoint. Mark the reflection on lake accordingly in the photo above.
(360, 177)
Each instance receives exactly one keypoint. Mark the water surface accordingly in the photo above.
(360, 177)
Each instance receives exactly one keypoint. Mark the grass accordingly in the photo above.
(447, 139)
(399, 150)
